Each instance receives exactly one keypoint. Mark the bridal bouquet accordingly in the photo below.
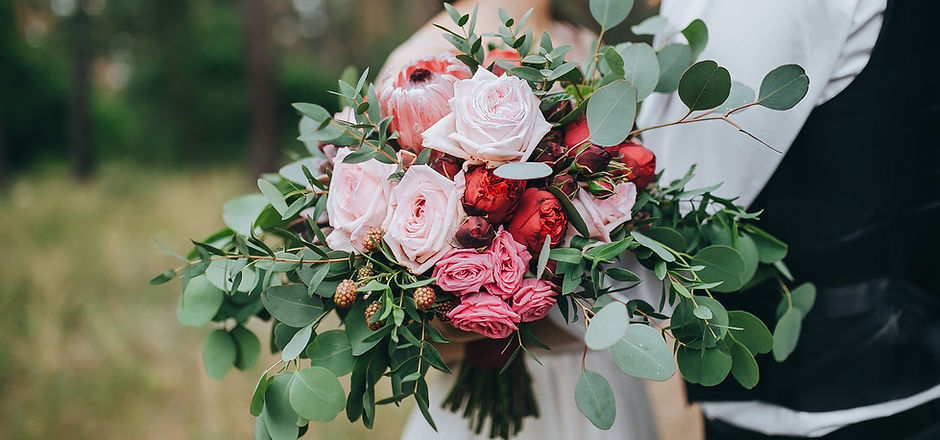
(481, 190)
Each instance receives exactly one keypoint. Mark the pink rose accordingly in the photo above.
(417, 97)
(464, 271)
(495, 119)
(485, 314)
(358, 200)
(510, 261)
(603, 215)
(423, 215)
(533, 300)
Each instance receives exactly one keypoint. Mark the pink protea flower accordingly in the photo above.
(418, 96)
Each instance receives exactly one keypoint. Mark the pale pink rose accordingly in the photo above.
(358, 200)
(603, 215)
(486, 314)
(533, 300)
(347, 114)
(417, 96)
(510, 261)
(464, 271)
(423, 215)
(495, 119)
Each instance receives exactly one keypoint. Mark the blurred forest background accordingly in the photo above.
(122, 121)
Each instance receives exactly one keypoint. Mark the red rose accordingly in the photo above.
(448, 166)
(576, 132)
(639, 163)
(539, 214)
(489, 195)
(475, 233)
(503, 56)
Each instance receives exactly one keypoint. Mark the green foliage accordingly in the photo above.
(610, 13)
(219, 354)
(673, 60)
(316, 395)
(595, 399)
(783, 87)
(607, 326)
(610, 113)
(704, 85)
(641, 67)
(643, 353)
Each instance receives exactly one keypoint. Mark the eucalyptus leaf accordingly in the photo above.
(331, 350)
(316, 395)
(640, 67)
(673, 59)
(696, 33)
(653, 245)
(274, 195)
(240, 213)
(783, 87)
(643, 353)
(523, 170)
(219, 353)
(297, 344)
(708, 367)
(744, 366)
(754, 334)
(595, 399)
(291, 305)
(654, 25)
(199, 303)
(704, 85)
(722, 263)
(611, 112)
(607, 326)
(249, 347)
(279, 417)
(787, 333)
(803, 297)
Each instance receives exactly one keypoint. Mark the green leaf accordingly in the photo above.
(607, 326)
(610, 13)
(331, 350)
(567, 255)
(452, 12)
(611, 111)
(261, 431)
(199, 303)
(667, 236)
(652, 245)
(279, 417)
(543, 256)
(707, 367)
(163, 277)
(673, 59)
(523, 170)
(722, 263)
(803, 297)
(240, 213)
(222, 272)
(257, 397)
(787, 333)
(527, 73)
(743, 366)
(755, 335)
(316, 395)
(574, 217)
(704, 85)
(769, 248)
(357, 330)
(640, 67)
(291, 305)
(643, 353)
(696, 33)
(293, 262)
(702, 312)
(297, 344)
(595, 399)
(692, 330)
(219, 354)
(783, 88)
(622, 275)
(654, 25)
(740, 94)
(274, 195)
(248, 347)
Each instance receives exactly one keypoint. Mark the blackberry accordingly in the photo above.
(425, 297)
(372, 240)
(345, 294)
(374, 307)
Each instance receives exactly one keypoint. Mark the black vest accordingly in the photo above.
(857, 198)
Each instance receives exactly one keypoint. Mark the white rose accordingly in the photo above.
(423, 215)
(603, 215)
(357, 201)
(495, 119)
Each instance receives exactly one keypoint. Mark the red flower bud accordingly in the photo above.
(475, 233)
(601, 188)
(539, 214)
(550, 153)
(638, 163)
(566, 184)
(577, 132)
(492, 196)
(447, 166)
(592, 160)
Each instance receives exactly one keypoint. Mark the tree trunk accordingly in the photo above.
(79, 121)
(261, 86)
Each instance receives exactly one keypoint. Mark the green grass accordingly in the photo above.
(88, 350)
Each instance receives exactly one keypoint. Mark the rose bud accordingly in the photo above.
(490, 195)
(501, 56)
(576, 132)
(601, 188)
(566, 184)
(592, 160)
(475, 233)
(539, 214)
(417, 96)
(551, 153)
(558, 111)
(448, 166)
(638, 163)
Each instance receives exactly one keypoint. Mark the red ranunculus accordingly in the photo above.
(503, 56)
(489, 195)
(539, 214)
(639, 163)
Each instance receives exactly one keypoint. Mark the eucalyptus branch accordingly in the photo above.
(711, 118)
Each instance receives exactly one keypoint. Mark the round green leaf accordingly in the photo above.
(357, 330)
(248, 347)
(294, 171)
(199, 303)
(595, 399)
(769, 248)
(297, 344)
(218, 356)
(803, 297)
(755, 335)
(654, 25)
(282, 335)
(696, 33)
(643, 353)
(316, 395)
(292, 262)
(692, 330)
(640, 67)
(704, 85)
(221, 273)
(702, 312)
(667, 236)
(673, 59)
(610, 113)
(787, 333)
(708, 367)
(279, 417)
(722, 263)
(239, 214)
(610, 13)
(607, 326)
(748, 250)
(743, 366)
(331, 350)
(291, 305)
(261, 431)
(783, 88)
(523, 170)
(740, 95)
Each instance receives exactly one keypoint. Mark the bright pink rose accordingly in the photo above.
(423, 215)
(486, 314)
(603, 215)
(495, 119)
(464, 271)
(418, 96)
(534, 299)
(358, 200)
(501, 56)
(510, 261)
